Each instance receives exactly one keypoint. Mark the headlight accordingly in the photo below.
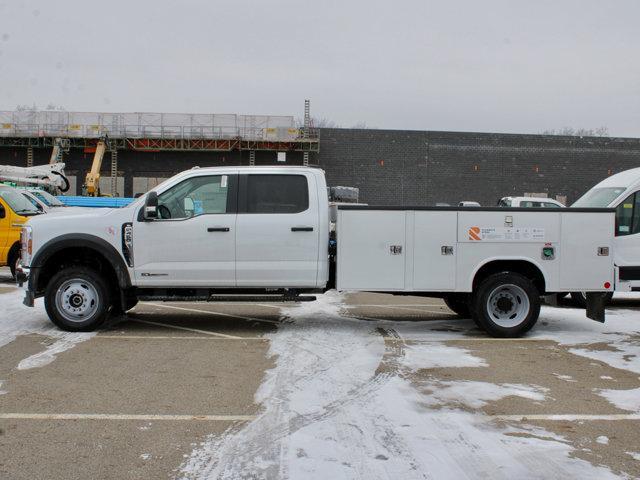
(26, 245)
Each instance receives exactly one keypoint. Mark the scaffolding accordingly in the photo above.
(157, 131)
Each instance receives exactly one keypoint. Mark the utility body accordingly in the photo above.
(265, 233)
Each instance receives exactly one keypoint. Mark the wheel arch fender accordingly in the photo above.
(79, 241)
(517, 264)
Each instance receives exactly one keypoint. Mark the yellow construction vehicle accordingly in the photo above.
(91, 185)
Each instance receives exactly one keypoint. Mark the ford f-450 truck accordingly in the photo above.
(261, 233)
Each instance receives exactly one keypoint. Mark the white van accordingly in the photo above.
(622, 192)
(529, 202)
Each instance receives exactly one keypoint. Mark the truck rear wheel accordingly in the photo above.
(506, 305)
(77, 299)
(459, 303)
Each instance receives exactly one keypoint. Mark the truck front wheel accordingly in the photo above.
(506, 304)
(77, 299)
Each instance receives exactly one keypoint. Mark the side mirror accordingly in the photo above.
(151, 206)
(2, 212)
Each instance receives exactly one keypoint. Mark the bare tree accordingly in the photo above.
(578, 132)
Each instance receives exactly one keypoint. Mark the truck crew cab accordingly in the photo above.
(214, 233)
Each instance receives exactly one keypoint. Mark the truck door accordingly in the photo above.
(277, 230)
(192, 243)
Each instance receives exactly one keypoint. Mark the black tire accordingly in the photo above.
(97, 303)
(13, 260)
(517, 292)
(581, 301)
(459, 303)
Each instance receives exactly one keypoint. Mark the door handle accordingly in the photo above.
(218, 229)
(302, 229)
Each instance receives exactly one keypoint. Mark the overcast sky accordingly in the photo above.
(468, 65)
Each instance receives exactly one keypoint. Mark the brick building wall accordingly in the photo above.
(421, 168)
(397, 167)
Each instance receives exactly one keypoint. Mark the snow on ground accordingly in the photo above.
(566, 378)
(477, 394)
(634, 455)
(339, 404)
(623, 399)
(16, 319)
(439, 355)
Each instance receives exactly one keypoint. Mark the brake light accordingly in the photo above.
(607, 285)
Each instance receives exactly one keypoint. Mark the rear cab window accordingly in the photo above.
(276, 194)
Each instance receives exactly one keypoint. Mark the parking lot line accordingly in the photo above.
(569, 417)
(196, 310)
(175, 337)
(109, 416)
(187, 329)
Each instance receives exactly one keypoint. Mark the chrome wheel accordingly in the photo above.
(77, 300)
(508, 305)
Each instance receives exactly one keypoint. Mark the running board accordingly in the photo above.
(226, 298)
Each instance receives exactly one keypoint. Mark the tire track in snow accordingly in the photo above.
(337, 405)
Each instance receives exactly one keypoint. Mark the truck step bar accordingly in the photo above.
(226, 298)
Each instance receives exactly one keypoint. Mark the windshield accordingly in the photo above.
(599, 197)
(17, 202)
(47, 198)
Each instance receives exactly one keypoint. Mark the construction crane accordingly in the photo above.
(91, 185)
(51, 177)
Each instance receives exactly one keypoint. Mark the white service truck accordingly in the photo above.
(256, 233)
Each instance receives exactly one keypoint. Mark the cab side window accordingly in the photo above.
(628, 216)
(195, 196)
(277, 194)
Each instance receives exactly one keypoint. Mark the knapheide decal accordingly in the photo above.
(506, 234)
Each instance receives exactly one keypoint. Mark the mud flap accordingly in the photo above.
(595, 306)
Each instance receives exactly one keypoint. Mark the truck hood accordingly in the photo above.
(81, 219)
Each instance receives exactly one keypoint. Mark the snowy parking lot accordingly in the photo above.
(351, 386)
